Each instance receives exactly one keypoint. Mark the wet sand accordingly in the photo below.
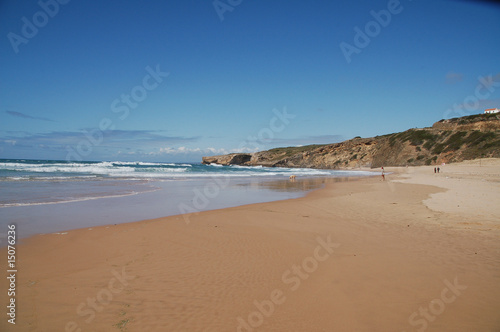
(359, 255)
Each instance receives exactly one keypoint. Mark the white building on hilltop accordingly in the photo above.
(491, 111)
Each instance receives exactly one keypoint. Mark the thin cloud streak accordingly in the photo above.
(109, 138)
(27, 116)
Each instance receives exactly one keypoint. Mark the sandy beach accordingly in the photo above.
(416, 252)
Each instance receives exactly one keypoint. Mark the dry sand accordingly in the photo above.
(417, 252)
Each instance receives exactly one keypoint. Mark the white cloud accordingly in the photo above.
(185, 150)
(204, 151)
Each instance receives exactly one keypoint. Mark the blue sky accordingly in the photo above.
(176, 80)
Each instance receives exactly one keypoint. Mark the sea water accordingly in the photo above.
(45, 196)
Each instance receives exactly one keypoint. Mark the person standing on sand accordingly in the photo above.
(434, 169)
(438, 169)
(383, 175)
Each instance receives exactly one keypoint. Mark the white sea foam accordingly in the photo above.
(145, 170)
(164, 170)
(79, 199)
(83, 181)
(142, 163)
(48, 178)
(248, 167)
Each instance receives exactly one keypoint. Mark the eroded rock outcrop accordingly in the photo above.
(228, 159)
(446, 141)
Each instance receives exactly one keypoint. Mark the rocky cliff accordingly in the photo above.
(446, 141)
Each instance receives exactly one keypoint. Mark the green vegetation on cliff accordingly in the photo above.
(453, 140)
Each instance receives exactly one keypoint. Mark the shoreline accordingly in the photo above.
(156, 199)
(360, 255)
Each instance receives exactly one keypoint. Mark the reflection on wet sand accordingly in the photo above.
(296, 184)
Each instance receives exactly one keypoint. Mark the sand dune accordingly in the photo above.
(359, 255)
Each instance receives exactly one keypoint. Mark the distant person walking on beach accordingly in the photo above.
(434, 169)
(438, 169)
(383, 175)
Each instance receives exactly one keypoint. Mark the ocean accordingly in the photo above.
(43, 196)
